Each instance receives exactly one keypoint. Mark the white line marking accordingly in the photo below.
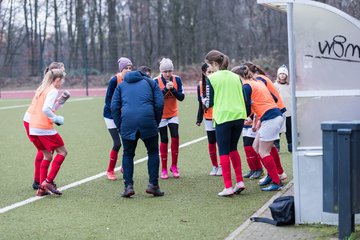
(26, 105)
(85, 180)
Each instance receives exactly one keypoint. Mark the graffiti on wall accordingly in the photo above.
(338, 49)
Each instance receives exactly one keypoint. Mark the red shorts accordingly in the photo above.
(26, 125)
(48, 142)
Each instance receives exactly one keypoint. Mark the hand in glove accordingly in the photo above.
(59, 120)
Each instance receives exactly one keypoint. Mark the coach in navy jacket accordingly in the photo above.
(136, 108)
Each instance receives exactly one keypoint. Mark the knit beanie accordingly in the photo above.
(123, 63)
(166, 65)
(283, 69)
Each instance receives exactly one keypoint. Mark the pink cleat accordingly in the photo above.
(111, 176)
(164, 174)
(175, 171)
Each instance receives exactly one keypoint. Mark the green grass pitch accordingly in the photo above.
(190, 208)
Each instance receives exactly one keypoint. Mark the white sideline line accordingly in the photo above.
(26, 105)
(85, 180)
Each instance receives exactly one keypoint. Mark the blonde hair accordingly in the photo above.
(54, 65)
(49, 78)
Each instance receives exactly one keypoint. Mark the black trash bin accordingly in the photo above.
(341, 172)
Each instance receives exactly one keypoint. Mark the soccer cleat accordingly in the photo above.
(249, 174)
(154, 190)
(164, 174)
(239, 187)
(213, 171)
(227, 192)
(111, 176)
(219, 171)
(282, 176)
(128, 192)
(175, 171)
(50, 187)
(257, 173)
(41, 192)
(265, 180)
(273, 187)
(36, 185)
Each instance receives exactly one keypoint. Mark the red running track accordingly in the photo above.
(76, 92)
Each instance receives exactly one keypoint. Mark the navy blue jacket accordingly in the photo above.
(109, 94)
(137, 105)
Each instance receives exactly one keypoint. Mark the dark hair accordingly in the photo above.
(144, 69)
(255, 68)
(236, 70)
(219, 58)
(243, 71)
(204, 67)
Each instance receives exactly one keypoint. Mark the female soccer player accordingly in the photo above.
(224, 91)
(125, 66)
(171, 87)
(39, 155)
(42, 131)
(207, 114)
(262, 103)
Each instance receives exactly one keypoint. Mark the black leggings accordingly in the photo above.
(248, 141)
(211, 135)
(227, 135)
(288, 130)
(116, 139)
(174, 132)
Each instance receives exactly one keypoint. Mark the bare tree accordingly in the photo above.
(100, 33)
(69, 13)
(112, 37)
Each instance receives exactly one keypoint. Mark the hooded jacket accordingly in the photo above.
(137, 105)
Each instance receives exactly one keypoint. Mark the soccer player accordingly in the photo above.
(125, 66)
(171, 87)
(42, 131)
(27, 116)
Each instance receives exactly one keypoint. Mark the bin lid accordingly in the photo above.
(335, 125)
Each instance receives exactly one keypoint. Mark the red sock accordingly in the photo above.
(212, 153)
(249, 157)
(258, 160)
(113, 160)
(44, 169)
(275, 154)
(164, 155)
(174, 151)
(236, 162)
(37, 164)
(226, 171)
(270, 166)
(55, 167)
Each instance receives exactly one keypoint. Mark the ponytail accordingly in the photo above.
(204, 67)
(49, 78)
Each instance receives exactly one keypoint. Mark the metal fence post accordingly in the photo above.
(346, 215)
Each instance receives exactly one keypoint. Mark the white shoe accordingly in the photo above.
(226, 192)
(213, 171)
(239, 187)
(282, 176)
(219, 171)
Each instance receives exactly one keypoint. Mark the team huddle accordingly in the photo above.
(241, 101)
